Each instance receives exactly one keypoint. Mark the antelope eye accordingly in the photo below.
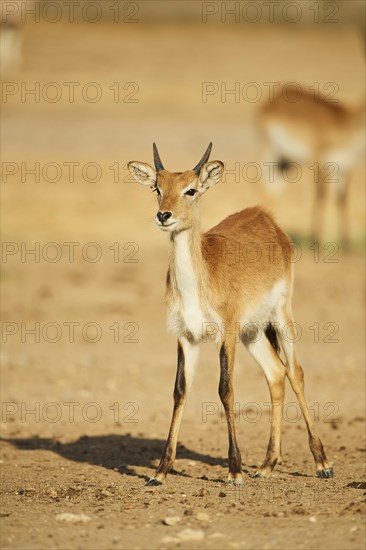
(156, 190)
(191, 192)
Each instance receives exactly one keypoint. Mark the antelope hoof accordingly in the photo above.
(260, 475)
(325, 473)
(238, 481)
(153, 482)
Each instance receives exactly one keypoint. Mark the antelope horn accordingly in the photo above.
(204, 159)
(158, 164)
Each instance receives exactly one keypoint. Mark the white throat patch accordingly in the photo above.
(188, 286)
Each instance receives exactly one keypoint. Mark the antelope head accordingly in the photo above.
(178, 193)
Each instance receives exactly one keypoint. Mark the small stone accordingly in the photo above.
(202, 516)
(168, 540)
(191, 534)
(52, 492)
(312, 519)
(68, 517)
(201, 493)
(217, 536)
(172, 520)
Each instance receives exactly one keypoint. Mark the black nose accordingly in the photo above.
(163, 216)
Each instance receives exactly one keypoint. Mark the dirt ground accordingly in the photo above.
(87, 396)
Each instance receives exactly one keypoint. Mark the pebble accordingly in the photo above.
(202, 516)
(68, 517)
(191, 534)
(217, 536)
(312, 519)
(168, 539)
(172, 520)
(52, 492)
(202, 492)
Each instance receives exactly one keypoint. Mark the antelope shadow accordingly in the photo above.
(115, 452)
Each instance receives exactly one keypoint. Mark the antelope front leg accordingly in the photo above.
(226, 392)
(318, 207)
(187, 360)
(342, 199)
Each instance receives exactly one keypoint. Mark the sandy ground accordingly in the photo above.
(86, 400)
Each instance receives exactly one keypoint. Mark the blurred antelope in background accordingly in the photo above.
(10, 48)
(211, 285)
(13, 16)
(328, 137)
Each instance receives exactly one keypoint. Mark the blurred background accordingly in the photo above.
(179, 73)
(87, 90)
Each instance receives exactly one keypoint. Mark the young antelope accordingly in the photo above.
(216, 288)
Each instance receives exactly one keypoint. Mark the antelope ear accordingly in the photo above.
(142, 172)
(210, 174)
